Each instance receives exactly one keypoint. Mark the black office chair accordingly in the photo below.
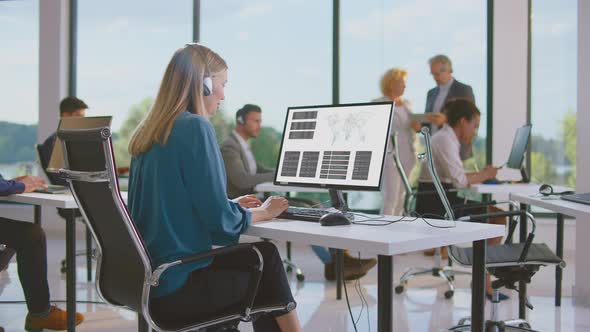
(438, 270)
(124, 275)
(88, 252)
(509, 263)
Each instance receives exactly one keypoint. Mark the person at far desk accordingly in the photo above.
(463, 122)
(68, 107)
(244, 173)
(29, 243)
(178, 200)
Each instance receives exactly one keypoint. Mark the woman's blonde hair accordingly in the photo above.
(393, 74)
(181, 89)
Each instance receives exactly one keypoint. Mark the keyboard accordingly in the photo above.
(578, 198)
(308, 214)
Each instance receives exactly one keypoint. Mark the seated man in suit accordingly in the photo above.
(68, 107)
(244, 173)
(463, 122)
(447, 88)
(28, 241)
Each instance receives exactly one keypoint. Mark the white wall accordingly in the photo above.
(510, 77)
(53, 63)
(582, 284)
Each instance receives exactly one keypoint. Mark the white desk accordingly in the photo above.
(554, 204)
(67, 202)
(386, 241)
(508, 188)
(561, 207)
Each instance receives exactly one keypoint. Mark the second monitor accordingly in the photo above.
(335, 146)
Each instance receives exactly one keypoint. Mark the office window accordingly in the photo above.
(19, 86)
(553, 91)
(123, 50)
(279, 54)
(378, 35)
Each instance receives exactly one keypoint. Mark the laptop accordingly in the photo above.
(578, 198)
(57, 156)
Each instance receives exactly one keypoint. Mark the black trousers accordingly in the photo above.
(428, 204)
(28, 240)
(222, 286)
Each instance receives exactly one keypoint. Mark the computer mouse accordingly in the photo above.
(334, 219)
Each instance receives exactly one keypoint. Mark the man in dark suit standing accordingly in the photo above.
(448, 88)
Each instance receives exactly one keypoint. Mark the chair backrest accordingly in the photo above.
(124, 263)
(425, 131)
(402, 173)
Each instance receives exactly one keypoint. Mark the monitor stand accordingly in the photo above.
(338, 201)
(524, 174)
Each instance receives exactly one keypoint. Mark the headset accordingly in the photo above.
(240, 119)
(547, 190)
(207, 80)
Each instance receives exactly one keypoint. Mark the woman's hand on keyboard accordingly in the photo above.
(271, 208)
(248, 201)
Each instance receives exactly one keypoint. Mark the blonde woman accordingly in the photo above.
(177, 198)
(393, 84)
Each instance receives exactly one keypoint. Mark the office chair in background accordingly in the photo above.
(438, 270)
(91, 174)
(509, 263)
(88, 252)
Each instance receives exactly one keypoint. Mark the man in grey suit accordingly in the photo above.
(243, 172)
(448, 88)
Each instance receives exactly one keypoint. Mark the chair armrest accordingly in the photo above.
(155, 277)
(473, 205)
(486, 216)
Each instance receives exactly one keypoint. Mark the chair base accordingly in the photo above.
(446, 273)
(496, 326)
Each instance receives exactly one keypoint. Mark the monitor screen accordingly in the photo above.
(336, 146)
(521, 140)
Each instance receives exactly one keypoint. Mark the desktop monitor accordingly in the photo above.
(57, 157)
(335, 146)
(521, 141)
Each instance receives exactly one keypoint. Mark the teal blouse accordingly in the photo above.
(178, 201)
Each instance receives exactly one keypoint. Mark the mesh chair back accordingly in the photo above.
(90, 170)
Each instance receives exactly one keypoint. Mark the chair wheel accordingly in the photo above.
(289, 268)
(449, 294)
(399, 289)
(300, 277)
(525, 325)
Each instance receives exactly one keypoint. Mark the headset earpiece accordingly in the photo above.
(240, 119)
(207, 86)
(207, 81)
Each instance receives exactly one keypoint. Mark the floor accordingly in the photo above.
(421, 308)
